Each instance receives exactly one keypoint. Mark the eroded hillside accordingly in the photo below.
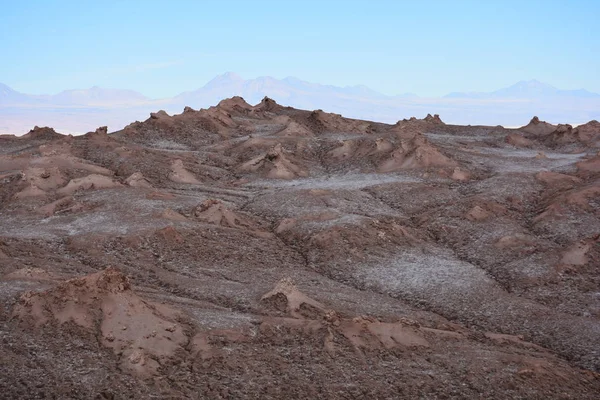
(267, 252)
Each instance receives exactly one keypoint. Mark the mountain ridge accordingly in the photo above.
(525, 89)
(521, 89)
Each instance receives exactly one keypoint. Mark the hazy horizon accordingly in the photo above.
(288, 78)
(80, 111)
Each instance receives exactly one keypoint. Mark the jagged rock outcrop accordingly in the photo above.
(435, 119)
(142, 334)
(275, 163)
(416, 152)
(159, 115)
(215, 212)
(538, 128)
(43, 133)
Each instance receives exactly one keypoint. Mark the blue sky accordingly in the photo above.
(428, 47)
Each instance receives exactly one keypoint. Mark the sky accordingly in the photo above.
(431, 48)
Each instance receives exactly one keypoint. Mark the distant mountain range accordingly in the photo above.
(79, 111)
(222, 86)
(532, 89)
(94, 96)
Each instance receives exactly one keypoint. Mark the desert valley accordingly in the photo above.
(263, 251)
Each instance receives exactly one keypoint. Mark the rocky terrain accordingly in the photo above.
(265, 252)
